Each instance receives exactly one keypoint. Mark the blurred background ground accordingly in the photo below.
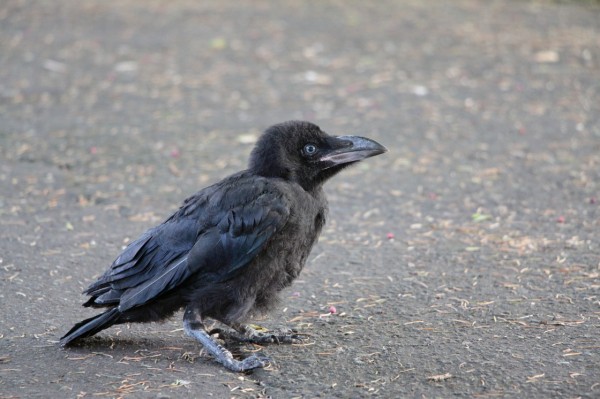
(464, 262)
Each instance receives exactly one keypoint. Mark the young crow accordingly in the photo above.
(231, 247)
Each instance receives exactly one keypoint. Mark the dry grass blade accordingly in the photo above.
(440, 377)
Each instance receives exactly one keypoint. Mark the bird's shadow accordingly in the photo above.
(124, 346)
(122, 343)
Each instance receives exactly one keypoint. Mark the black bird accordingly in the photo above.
(231, 247)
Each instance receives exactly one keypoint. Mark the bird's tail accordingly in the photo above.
(91, 326)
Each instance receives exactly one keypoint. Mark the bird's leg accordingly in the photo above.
(193, 326)
(246, 333)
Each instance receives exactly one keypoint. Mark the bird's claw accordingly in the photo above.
(285, 336)
(249, 363)
(256, 361)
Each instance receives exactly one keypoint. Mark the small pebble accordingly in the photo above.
(332, 309)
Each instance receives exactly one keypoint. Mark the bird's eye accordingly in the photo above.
(310, 149)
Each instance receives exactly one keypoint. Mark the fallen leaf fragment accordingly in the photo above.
(480, 217)
(546, 57)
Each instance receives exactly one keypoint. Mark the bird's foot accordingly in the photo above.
(246, 333)
(247, 364)
(282, 336)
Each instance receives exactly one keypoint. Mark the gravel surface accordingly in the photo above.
(465, 262)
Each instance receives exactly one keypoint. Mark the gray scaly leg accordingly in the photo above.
(193, 326)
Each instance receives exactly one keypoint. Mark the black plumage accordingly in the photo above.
(231, 247)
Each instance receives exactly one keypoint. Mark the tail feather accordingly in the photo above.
(91, 326)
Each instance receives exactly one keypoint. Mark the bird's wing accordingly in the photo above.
(218, 253)
(144, 259)
(242, 232)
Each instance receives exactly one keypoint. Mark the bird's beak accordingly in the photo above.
(347, 149)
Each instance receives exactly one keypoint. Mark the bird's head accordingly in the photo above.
(303, 153)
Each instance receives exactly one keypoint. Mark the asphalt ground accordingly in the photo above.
(465, 262)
